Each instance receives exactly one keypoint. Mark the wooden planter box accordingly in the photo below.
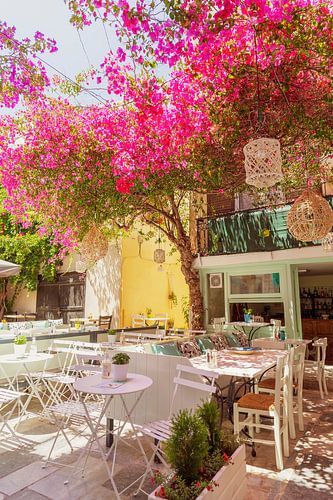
(231, 480)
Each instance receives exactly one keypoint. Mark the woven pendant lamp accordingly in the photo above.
(94, 245)
(263, 163)
(310, 218)
(159, 256)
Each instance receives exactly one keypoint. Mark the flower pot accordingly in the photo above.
(112, 339)
(19, 350)
(247, 318)
(119, 372)
(231, 480)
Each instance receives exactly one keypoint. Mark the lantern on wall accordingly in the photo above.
(94, 245)
(263, 163)
(310, 218)
(327, 243)
(159, 256)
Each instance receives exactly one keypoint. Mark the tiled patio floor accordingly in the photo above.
(308, 471)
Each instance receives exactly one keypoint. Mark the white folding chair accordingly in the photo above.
(255, 405)
(218, 324)
(317, 367)
(160, 430)
(70, 416)
(8, 402)
(138, 321)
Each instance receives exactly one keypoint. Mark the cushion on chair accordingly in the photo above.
(232, 340)
(169, 349)
(256, 401)
(242, 338)
(220, 342)
(205, 343)
(189, 349)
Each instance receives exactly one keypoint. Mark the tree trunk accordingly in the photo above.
(193, 281)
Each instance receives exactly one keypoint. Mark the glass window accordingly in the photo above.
(255, 283)
(265, 310)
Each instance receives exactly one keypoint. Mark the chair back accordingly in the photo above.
(218, 324)
(194, 378)
(191, 333)
(268, 343)
(258, 319)
(138, 320)
(321, 346)
(297, 370)
(64, 350)
(276, 327)
(105, 322)
(282, 380)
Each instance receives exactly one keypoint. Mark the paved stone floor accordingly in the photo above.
(307, 473)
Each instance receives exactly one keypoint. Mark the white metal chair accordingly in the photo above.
(267, 405)
(160, 430)
(8, 403)
(276, 327)
(296, 371)
(138, 321)
(70, 415)
(317, 367)
(218, 324)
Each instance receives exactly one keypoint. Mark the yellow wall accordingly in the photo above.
(143, 286)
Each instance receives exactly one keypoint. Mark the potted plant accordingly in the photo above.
(119, 367)
(112, 336)
(247, 315)
(208, 463)
(20, 344)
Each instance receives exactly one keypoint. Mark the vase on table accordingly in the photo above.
(19, 350)
(247, 318)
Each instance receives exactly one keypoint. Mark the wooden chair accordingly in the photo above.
(267, 405)
(105, 322)
(188, 377)
(317, 367)
(296, 371)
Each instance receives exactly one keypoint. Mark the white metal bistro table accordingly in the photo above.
(135, 384)
(22, 367)
(249, 328)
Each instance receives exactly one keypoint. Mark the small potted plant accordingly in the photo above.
(119, 367)
(20, 344)
(208, 463)
(247, 315)
(112, 336)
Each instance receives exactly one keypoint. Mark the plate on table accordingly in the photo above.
(245, 350)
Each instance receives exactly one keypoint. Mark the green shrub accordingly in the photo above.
(121, 358)
(20, 340)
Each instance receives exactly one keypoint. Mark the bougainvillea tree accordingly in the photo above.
(21, 73)
(238, 70)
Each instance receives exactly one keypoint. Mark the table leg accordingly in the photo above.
(109, 432)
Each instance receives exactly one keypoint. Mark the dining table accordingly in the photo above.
(243, 367)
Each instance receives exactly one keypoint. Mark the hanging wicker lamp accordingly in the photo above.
(310, 218)
(159, 256)
(94, 245)
(263, 163)
(327, 243)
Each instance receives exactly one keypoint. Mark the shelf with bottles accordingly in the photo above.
(316, 293)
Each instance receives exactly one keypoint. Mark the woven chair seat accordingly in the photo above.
(256, 401)
(267, 383)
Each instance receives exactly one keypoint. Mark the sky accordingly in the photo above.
(51, 17)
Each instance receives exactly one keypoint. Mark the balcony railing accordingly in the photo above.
(263, 230)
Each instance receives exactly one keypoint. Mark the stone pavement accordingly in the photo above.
(307, 474)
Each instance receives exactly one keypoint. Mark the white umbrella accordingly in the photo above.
(8, 269)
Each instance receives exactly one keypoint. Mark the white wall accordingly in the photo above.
(103, 287)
